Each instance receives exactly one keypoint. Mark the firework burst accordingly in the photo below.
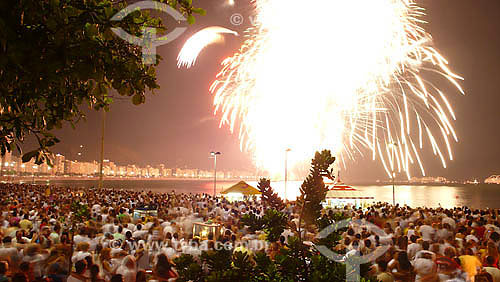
(351, 82)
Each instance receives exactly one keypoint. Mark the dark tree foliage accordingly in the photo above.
(57, 56)
(329, 220)
(273, 223)
(80, 212)
(293, 261)
(188, 269)
(253, 222)
(313, 189)
(269, 198)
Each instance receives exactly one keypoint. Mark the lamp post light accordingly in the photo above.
(33, 175)
(80, 152)
(393, 174)
(214, 156)
(286, 168)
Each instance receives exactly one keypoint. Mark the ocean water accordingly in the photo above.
(447, 196)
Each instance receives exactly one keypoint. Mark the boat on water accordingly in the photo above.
(494, 179)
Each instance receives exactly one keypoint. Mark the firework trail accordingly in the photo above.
(353, 82)
(196, 43)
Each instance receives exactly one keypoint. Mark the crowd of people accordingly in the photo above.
(425, 244)
(42, 241)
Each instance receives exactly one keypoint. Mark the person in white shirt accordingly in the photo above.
(427, 232)
(37, 260)
(413, 248)
(9, 253)
(472, 236)
(425, 267)
(139, 233)
(82, 252)
(78, 275)
(128, 269)
(449, 221)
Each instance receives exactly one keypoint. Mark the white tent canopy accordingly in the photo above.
(341, 195)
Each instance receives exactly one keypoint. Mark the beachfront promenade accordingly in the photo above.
(47, 237)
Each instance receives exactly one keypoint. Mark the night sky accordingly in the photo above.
(177, 127)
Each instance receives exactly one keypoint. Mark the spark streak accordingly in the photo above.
(196, 43)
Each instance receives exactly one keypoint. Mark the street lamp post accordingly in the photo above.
(286, 168)
(393, 174)
(214, 156)
(101, 162)
(33, 175)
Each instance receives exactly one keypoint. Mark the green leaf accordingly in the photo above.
(199, 11)
(191, 19)
(91, 29)
(137, 99)
(54, 3)
(28, 156)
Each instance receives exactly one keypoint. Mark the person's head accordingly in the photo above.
(83, 246)
(54, 268)
(80, 266)
(490, 261)
(425, 245)
(140, 276)
(403, 242)
(382, 265)
(355, 244)
(64, 238)
(89, 261)
(19, 277)
(403, 261)
(4, 267)
(368, 243)
(163, 265)
(105, 254)
(435, 248)
(116, 278)
(450, 252)
(483, 277)
(25, 267)
(94, 271)
(495, 236)
(7, 240)
(492, 249)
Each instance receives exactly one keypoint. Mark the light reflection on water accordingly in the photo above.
(476, 196)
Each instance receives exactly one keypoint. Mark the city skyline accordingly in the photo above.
(12, 164)
(62, 166)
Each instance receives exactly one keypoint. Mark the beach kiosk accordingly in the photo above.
(207, 230)
(340, 195)
(239, 191)
(145, 211)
